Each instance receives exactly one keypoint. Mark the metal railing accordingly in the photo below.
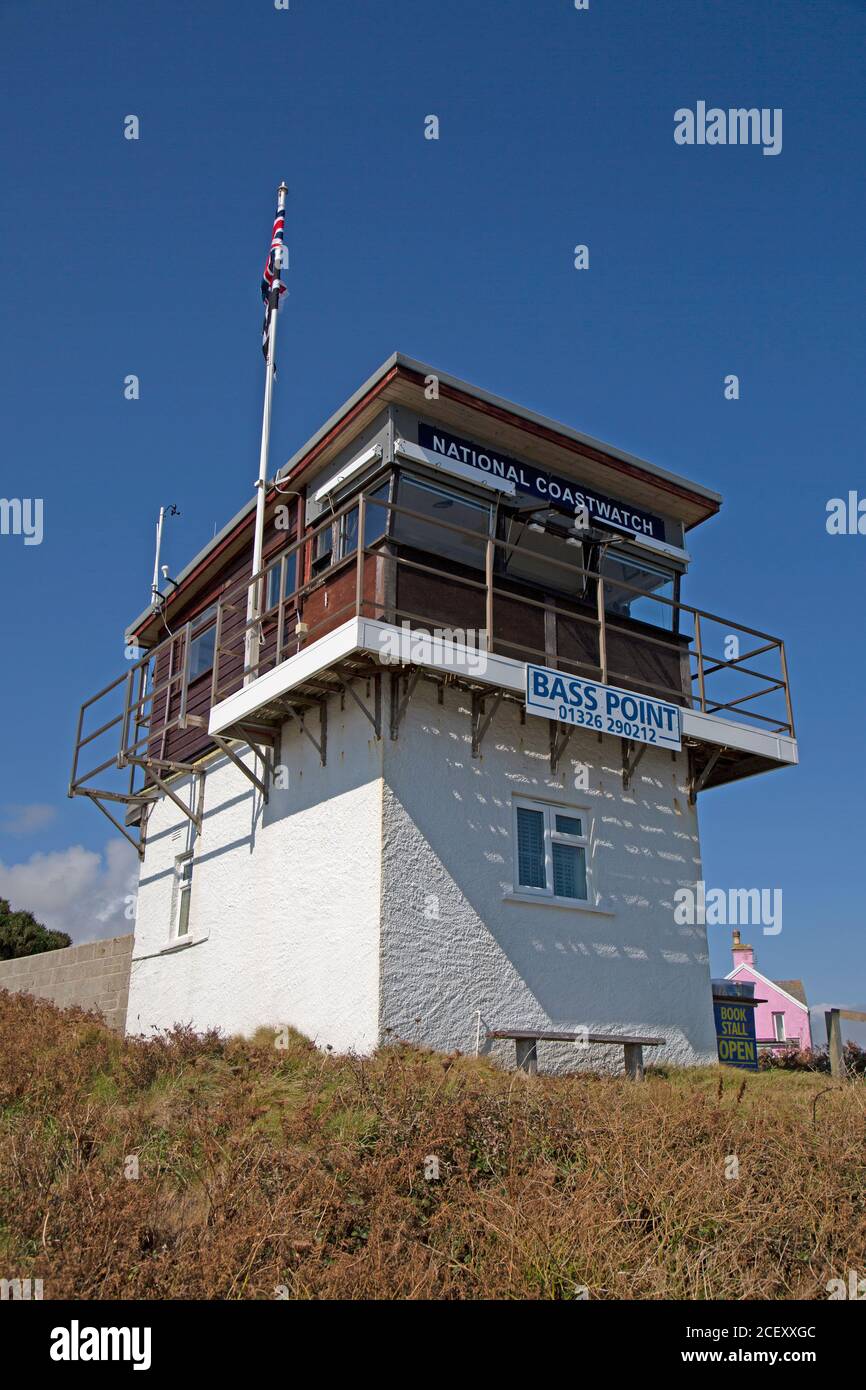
(685, 638)
(150, 701)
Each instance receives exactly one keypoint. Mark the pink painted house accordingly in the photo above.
(783, 1019)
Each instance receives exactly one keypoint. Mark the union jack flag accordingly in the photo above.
(272, 289)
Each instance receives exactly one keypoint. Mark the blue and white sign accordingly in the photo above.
(603, 708)
(563, 494)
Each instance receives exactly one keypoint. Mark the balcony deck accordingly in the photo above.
(334, 630)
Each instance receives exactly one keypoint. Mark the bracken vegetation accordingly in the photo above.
(267, 1172)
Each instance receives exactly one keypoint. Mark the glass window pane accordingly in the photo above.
(350, 532)
(540, 554)
(183, 917)
(647, 579)
(322, 545)
(375, 517)
(530, 848)
(274, 580)
(201, 650)
(569, 825)
(569, 870)
(273, 586)
(442, 505)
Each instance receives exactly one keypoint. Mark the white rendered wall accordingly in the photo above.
(452, 944)
(357, 911)
(285, 902)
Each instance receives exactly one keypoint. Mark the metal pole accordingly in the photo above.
(788, 704)
(254, 605)
(154, 588)
(488, 592)
(361, 556)
(699, 651)
(602, 632)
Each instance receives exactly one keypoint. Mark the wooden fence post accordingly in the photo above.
(834, 1043)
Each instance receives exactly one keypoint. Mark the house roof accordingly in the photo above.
(401, 379)
(796, 995)
(794, 987)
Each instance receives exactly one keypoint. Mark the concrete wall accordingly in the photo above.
(284, 911)
(454, 940)
(94, 976)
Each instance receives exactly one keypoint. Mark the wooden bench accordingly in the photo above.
(526, 1051)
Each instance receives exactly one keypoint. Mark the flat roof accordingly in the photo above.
(396, 363)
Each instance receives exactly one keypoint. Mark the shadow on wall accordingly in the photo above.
(449, 842)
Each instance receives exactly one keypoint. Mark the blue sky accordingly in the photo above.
(556, 128)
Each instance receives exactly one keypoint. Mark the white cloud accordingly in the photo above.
(75, 890)
(850, 1027)
(24, 819)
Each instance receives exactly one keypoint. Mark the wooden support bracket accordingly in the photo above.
(375, 717)
(321, 743)
(559, 741)
(138, 845)
(481, 720)
(239, 763)
(631, 756)
(697, 784)
(398, 705)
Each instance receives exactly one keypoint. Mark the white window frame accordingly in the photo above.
(779, 1021)
(272, 584)
(183, 892)
(203, 624)
(550, 810)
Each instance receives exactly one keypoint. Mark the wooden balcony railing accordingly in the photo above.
(153, 719)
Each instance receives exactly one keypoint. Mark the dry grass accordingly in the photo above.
(261, 1168)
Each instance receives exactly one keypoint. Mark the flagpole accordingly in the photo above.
(254, 601)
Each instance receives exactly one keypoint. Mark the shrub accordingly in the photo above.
(22, 935)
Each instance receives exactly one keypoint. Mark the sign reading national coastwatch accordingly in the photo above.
(553, 490)
(604, 708)
(735, 1034)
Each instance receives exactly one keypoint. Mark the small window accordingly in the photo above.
(650, 582)
(442, 505)
(779, 1027)
(547, 551)
(183, 871)
(339, 541)
(273, 593)
(551, 851)
(323, 546)
(201, 647)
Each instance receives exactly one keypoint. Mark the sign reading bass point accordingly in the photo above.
(604, 708)
(735, 1034)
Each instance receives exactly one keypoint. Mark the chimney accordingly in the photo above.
(743, 955)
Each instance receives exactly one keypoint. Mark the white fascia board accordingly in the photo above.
(348, 472)
(771, 984)
(663, 548)
(709, 728)
(403, 448)
(501, 672)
